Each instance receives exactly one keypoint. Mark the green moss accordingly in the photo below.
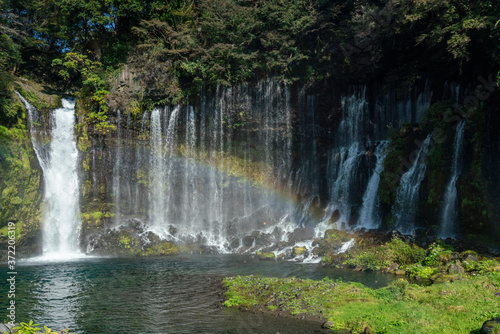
(20, 191)
(125, 240)
(95, 219)
(42, 97)
(380, 257)
(165, 248)
(265, 256)
(458, 307)
(296, 251)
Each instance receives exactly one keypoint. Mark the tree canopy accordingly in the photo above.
(225, 41)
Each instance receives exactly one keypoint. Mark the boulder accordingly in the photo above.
(491, 326)
(296, 251)
(265, 256)
(456, 268)
(471, 258)
(394, 266)
(301, 234)
(248, 240)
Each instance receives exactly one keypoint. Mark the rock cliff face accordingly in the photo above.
(268, 166)
(215, 172)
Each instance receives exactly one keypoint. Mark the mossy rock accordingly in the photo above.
(333, 240)
(165, 248)
(491, 326)
(297, 251)
(265, 256)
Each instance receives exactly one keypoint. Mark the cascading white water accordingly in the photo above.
(246, 169)
(344, 159)
(369, 218)
(61, 222)
(407, 197)
(449, 213)
(157, 172)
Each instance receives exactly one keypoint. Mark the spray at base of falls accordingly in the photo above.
(61, 222)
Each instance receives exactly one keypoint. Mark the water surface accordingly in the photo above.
(159, 295)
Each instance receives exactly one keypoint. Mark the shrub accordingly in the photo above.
(369, 260)
(439, 253)
(421, 271)
(405, 254)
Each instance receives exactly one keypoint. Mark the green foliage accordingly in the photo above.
(93, 87)
(395, 251)
(420, 271)
(20, 191)
(404, 253)
(458, 307)
(369, 260)
(438, 253)
(27, 328)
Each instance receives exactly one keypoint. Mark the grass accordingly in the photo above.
(457, 307)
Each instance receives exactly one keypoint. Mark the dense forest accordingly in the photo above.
(80, 45)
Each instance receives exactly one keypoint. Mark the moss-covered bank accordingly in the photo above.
(458, 307)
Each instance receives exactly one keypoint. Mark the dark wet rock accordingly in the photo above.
(335, 216)
(301, 234)
(489, 326)
(264, 239)
(235, 243)
(131, 238)
(172, 230)
(248, 240)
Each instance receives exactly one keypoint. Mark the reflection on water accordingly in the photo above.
(154, 295)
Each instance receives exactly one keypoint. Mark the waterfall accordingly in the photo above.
(61, 222)
(449, 213)
(407, 197)
(257, 165)
(344, 159)
(157, 172)
(117, 169)
(369, 217)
